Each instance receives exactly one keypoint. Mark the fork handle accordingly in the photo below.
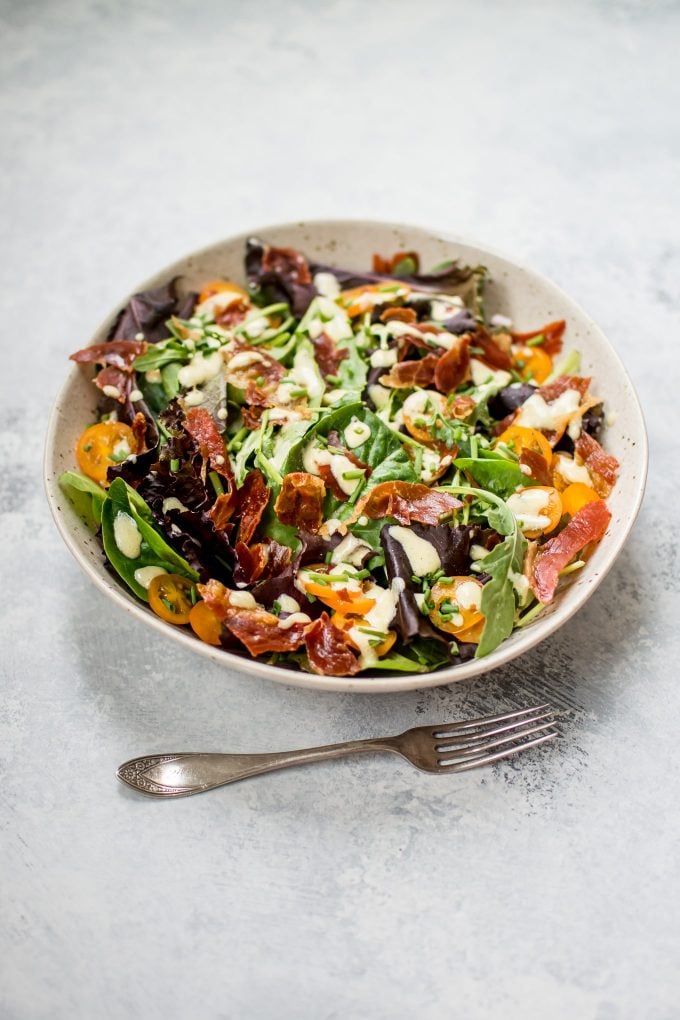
(180, 775)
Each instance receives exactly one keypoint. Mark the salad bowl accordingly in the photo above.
(513, 291)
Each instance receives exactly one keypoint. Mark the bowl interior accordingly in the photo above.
(528, 298)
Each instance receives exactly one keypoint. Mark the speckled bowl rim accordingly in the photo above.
(518, 644)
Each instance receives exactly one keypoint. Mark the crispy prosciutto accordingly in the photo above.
(328, 650)
(588, 525)
(257, 629)
(406, 374)
(553, 333)
(251, 499)
(453, 366)
(406, 502)
(117, 357)
(603, 466)
(299, 504)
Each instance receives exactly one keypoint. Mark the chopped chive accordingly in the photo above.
(536, 341)
(216, 483)
(355, 495)
(334, 380)
(374, 633)
(350, 476)
(329, 556)
(168, 605)
(193, 595)
(174, 465)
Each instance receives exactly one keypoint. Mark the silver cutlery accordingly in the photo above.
(451, 747)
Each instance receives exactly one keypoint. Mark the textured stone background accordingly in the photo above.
(135, 131)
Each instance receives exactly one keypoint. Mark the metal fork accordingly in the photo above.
(452, 747)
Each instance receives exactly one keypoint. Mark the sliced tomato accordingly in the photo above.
(532, 363)
(519, 438)
(205, 623)
(576, 496)
(103, 445)
(454, 610)
(170, 598)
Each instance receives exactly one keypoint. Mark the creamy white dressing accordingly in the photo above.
(421, 554)
(136, 395)
(469, 594)
(326, 285)
(520, 583)
(527, 505)
(126, 535)
(288, 604)
(445, 308)
(482, 374)
(571, 471)
(424, 403)
(432, 465)
(216, 302)
(384, 359)
(478, 552)
(193, 398)
(356, 433)
(378, 619)
(111, 391)
(294, 618)
(242, 600)
(255, 327)
(379, 395)
(351, 550)
(145, 575)
(306, 373)
(120, 450)
(172, 503)
(201, 369)
(313, 457)
(245, 359)
(535, 413)
(153, 375)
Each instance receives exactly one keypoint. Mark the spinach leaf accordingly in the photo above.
(154, 550)
(495, 473)
(86, 497)
(422, 656)
(498, 596)
(352, 370)
(161, 355)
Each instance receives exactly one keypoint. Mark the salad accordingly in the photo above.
(341, 472)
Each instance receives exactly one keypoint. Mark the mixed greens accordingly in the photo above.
(339, 471)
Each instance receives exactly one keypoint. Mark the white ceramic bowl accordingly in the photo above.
(526, 296)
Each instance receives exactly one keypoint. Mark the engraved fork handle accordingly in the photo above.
(180, 775)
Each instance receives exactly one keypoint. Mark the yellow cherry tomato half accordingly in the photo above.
(519, 438)
(532, 363)
(220, 287)
(170, 598)
(524, 500)
(345, 623)
(472, 635)
(205, 623)
(456, 604)
(576, 496)
(103, 445)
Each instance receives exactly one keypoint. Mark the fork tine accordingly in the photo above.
(474, 749)
(487, 759)
(516, 725)
(441, 731)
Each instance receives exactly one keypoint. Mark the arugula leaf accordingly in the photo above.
(86, 497)
(495, 473)
(498, 596)
(154, 551)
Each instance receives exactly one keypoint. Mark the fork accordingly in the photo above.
(451, 747)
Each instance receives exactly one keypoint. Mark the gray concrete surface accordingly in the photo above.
(133, 132)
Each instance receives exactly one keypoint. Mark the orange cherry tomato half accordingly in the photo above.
(343, 600)
(472, 635)
(346, 623)
(456, 605)
(532, 363)
(170, 598)
(519, 438)
(205, 623)
(362, 299)
(420, 412)
(220, 287)
(576, 496)
(103, 445)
